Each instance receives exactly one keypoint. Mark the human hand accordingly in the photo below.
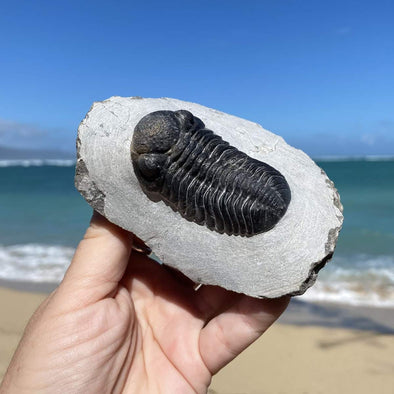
(121, 323)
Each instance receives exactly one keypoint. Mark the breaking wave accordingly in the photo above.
(354, 158)
(37, 163)
(354, 280)
(34, 262)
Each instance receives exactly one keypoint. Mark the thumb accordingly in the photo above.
(98, 264)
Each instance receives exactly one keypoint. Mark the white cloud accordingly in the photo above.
(27, 136)
(10, 129)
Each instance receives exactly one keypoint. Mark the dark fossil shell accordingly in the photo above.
(208, 181)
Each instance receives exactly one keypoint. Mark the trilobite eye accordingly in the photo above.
(186, 118)
(150, 165)
(189, 122)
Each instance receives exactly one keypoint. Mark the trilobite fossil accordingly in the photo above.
(208, 181)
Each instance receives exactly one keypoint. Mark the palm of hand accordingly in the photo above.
(140, 329)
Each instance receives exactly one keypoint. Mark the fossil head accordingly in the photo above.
(155, 138)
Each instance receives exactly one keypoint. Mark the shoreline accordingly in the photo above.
(28, 287)
(299, 312)
(335, 315)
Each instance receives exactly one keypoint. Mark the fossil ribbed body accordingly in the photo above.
(205, 179)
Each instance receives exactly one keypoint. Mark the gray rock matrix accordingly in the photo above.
(283, 260)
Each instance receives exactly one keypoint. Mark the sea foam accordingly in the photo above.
(354, 280)
(354, 158)
(34, 262)
(37, 162)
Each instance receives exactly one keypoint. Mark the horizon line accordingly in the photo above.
(61, 162)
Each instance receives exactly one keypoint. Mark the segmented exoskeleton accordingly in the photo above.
(205, 179)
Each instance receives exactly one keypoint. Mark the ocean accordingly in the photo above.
(42, 219)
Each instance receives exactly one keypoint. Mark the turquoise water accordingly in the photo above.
(42, 218)
(39, 204)
(367, 194)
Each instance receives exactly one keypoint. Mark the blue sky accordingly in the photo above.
(321, 74)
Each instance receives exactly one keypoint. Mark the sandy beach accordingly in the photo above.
(293, 359)
(308, 351)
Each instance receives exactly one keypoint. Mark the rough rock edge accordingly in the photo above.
(329, 246)
(83, 183)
